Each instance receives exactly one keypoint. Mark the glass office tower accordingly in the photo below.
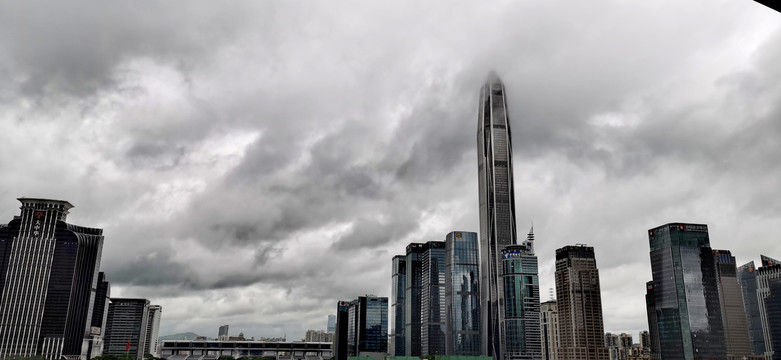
(686, 298)
(747, 277)
(521, 324)
(462, 294)
(581, 330)
(367, 332)
(48, 273)
(432, 316)
(412, 299)
(497, 209)
(769, 296)
(396, 340)
(733, 313)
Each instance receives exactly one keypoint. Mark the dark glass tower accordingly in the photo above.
(367, 333)
(747, 277)
(462, 294)
(432, 311)
(653, 328)
(398, 287)
(340, 335)
(769, 296)
(412, 299)
(733, 313)
(579, 299)
(520, 287)
(497, 208)
(48, 270)
(686, 297)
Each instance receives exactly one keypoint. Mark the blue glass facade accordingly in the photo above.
(412, 300)
(747, 278)
(686, 299)
(769, 296)
(462, 294)
(521, 326)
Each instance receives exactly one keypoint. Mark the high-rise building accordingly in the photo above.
(396, 339)
(222, 332)
(412, 299)
(769, 296)
(686, 307)
(153, 330)
(48, 270)
(521, 295)
(318, 336)
(94, 347)
(497, 210)
(580, 305)
(747, 277)
(733, 313)
(432, 296)
(331, 326)
(340, 335)
(653, 326)
(462, 294)
(126, 327)
(367, 332)
(645, 342)
(549, 329)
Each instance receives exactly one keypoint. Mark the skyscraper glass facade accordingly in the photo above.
(769, 296)
(521, 325)
(412, 300)
(396, 340)
(433, 299)
(687, 307)
(462, 294)
(497, 209)
(733, 313)
(368, 326)
(747, 277)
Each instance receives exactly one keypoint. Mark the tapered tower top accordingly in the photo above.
(493, 78)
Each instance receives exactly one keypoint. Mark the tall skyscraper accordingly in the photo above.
(733, 313)
(686, 303)
(342, 324)
(412, 299)
(99, 315)
(396, 339)
(769, 296)
(653, 327)
(462, 294)
(432, 315)
(126, 327)
(153, 330)
(48, 270)
(497, 209)
(747, 277)
(549, 329)
(580, 305)
(521, 295)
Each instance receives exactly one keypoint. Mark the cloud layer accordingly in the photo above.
(253, 163)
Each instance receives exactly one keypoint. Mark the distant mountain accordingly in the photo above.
(182, 336)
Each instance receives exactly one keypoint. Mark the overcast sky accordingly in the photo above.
(251, 163)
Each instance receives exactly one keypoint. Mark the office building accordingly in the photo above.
(549, 329)
(331, 326)
(413, 300)
(686, 309)
(367, 331)
(48, 270)
(94, 347)
(318, 336)
(579, 301)
(521, 294)
(432, 297)
(733, 313)
(497, 210)
(126, 327)
(645, 342)
(153, 330)
(396, 341)
(769, 296)
(340, 335)
(223, 332)
(462, 294)
(747, 278)
(653, 329)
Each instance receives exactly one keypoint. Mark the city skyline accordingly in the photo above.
(217, 164)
